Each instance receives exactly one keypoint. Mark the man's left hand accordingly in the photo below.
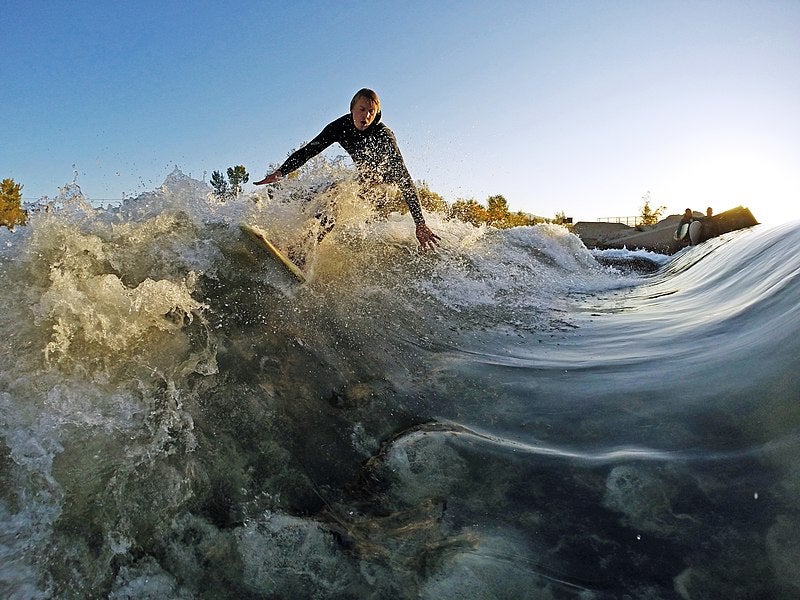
(427, 239)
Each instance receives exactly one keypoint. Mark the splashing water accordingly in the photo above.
(502, 418)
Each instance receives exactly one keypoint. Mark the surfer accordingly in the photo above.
(373, 148)
(681, 233)
(689, 229)
(709, 224)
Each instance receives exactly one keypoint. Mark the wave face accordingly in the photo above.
(504, 418)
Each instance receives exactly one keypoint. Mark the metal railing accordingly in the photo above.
(629, 221)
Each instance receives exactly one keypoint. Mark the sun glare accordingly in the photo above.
(727, 177)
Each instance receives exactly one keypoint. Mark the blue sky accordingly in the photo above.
(580, 107)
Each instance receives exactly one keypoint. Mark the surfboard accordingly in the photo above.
(695, 229)
(681, 233)
(261, 238)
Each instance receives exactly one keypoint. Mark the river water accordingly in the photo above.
(510, 417)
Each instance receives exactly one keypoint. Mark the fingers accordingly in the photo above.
(272, 178)
(427, 239)
(432, 242)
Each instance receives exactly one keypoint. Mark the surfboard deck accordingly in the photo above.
(681, 233)
(260, 236)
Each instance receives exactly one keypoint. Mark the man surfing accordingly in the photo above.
(373, 148)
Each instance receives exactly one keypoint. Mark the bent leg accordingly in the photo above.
(325, 221)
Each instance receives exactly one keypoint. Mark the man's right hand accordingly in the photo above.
(269, 178)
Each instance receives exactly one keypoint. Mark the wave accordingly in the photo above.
(179, 419)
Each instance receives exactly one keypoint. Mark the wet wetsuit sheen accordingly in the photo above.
(374, 151)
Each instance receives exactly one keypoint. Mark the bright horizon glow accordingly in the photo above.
(575, 107)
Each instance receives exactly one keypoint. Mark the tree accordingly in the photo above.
(233, 186)
(521, 219)
(11, 212)
(648, 215)
(219, 184)
(497, 210)
(496, 215)
(430, 201)
(469, 211)
(561, 218)
(237, 176)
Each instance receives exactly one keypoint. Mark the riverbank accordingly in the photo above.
(659, 237)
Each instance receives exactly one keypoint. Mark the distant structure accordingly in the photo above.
(615, 233)
(629, 221)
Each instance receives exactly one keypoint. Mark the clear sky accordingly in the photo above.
(580, 107)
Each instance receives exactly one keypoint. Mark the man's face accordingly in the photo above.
(363, 112)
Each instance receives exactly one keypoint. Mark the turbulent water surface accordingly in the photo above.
(507, 418)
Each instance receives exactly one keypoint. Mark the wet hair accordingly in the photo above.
(367, 94)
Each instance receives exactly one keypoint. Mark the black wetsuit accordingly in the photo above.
(374, 151)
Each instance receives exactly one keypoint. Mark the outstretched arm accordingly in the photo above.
(327, 136)
(398, 173)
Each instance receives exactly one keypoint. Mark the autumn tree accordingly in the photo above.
(496, 213)
(11, 212)
(650, 216)
(469, 211)
(497, 210)
(561, 218)
(429, 200)
(517, 219)
(521, 219)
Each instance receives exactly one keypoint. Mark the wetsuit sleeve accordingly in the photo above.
(326, 138)
(396, 172)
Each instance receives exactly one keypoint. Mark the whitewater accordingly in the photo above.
(513, 416)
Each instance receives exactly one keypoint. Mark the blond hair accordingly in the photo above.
(367, 94)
